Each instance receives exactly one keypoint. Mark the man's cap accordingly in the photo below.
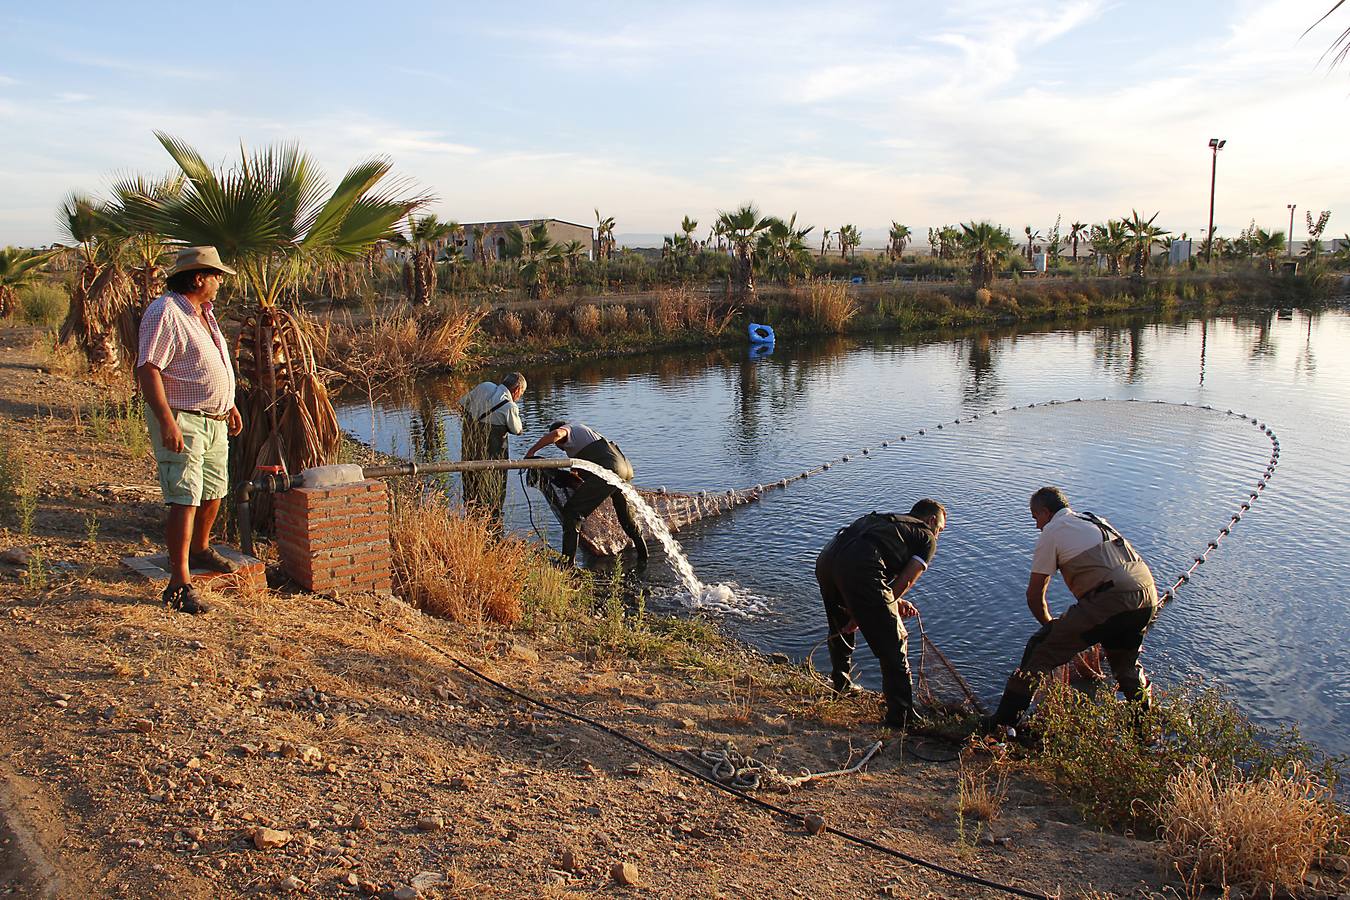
(191, 258)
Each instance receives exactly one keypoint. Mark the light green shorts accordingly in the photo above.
(201, 472)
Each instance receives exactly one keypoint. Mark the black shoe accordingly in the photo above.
(906, 718)
(988, 726)
(844, 685)
(185, 598)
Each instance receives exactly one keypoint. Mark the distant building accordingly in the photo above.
(493, 235)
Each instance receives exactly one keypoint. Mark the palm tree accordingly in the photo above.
(1077, 231)
(1269, 244)
(604, 234)
(781, 250)
(899, 237)
(18, 269)
(1143, 235)
(825, 235)
(849, 239)
(1111, 242)
(102, 292)
(425, 234)
(269, 216)
(988, 245)
(742, 226)
(1032, 237)
(537, 256)
(1340, 47)
(688, 226)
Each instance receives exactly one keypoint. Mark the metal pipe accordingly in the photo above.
(468, 465)
(276, 484)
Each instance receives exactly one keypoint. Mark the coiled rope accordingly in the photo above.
(745, 773)
(688, 769)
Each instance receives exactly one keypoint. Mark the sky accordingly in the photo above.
(861, 113)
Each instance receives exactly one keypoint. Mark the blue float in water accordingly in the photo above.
(761, 334)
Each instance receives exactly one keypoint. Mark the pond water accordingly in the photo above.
(1268, 616)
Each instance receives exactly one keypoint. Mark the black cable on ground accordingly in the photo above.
(694, 773)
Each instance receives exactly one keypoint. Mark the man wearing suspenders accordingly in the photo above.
(1117, 602)
(580, 441)
(489, 415)
(864, 573)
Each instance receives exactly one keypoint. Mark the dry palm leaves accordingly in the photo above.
(99, 302)
(288, 418)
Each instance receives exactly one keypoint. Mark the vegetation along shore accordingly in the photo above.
(293, 742)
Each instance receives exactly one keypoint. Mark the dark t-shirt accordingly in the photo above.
(899, 539)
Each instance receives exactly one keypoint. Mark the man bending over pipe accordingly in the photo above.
(1117, 602)
(183, 368)
(489, 414)
(583, 442)
(864, 573)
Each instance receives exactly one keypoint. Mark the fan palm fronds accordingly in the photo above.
(18, 268)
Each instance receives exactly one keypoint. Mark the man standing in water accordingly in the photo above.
(864, 573)
(489, 414)
(184, 372)
(582, 442)
(1117, 602)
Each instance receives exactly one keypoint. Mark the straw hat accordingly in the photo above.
(199, 258)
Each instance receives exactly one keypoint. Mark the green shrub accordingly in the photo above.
(43, 304)
(1114, 760)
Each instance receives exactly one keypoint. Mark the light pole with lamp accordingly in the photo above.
(1215, 145)
(1292, 207)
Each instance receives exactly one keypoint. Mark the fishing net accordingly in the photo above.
(600, 531)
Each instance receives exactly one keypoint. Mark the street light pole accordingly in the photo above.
(1290, 241)
(1215, 145)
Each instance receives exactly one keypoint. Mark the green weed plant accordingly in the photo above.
(44, 305)
(1113, 759)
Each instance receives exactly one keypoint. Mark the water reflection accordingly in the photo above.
(1121, 351)
(982, 382)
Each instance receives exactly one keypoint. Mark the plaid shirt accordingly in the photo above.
(191, 357)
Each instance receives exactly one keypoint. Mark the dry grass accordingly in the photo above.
(830, 307)
(541, 322)
(615, 318)
(454, 566)
(65, 359)
(981, 793)
(586, 321)
(510, 326)
(396, 342)
(1258, 835)
(670, 310)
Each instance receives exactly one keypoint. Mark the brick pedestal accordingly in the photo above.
(335, 539)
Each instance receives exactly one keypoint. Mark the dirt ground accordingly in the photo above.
(286, 743)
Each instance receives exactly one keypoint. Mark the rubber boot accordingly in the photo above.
(900, 711)
(841, 665)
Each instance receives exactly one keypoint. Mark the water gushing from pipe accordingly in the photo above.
(700, 594)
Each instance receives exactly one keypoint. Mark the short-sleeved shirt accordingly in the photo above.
(190, 354)
(901, 539)
(579, 437)
(492, 404)
(1065, 536)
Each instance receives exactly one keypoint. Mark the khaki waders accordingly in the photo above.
(1117, 602)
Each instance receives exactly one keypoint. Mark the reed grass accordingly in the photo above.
(829, 307)
(586, 321)
(397, 342)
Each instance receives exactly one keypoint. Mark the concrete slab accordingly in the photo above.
(252, 572)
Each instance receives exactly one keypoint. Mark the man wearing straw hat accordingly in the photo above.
(184, 372)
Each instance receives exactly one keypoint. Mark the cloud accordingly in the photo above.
(140, 67)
